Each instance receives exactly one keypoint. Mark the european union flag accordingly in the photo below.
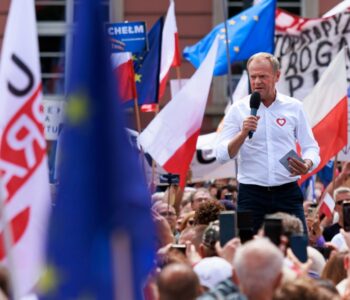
(147, 67)
(249, 32)
(102, 209)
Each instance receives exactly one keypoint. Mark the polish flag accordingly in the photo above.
(172, 135)
(327, 110)
(170, 55)
(123, 69)
(327, 205)
(25, 194)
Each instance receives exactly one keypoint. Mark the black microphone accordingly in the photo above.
(254, 104)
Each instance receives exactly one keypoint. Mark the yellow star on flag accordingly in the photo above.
(77, 109)
(222, 36)
(244, 18)
(223, 30)
(236, 49)
(138, 77)
(232, 22)
(256, 18)
(48, 282)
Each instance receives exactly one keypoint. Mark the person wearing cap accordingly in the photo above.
(212, 270)
(260, 142)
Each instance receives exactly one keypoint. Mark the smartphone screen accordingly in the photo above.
(245, 225)
(179, 247)
(228, 196)
(311, 211)
(346, 215)
(227, 221)
(273, 230)
(298, 244)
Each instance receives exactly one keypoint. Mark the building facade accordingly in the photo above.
(195, 19)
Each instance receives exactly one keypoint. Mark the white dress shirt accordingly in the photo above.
(279, 127)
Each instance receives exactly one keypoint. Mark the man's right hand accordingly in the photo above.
(250, 123)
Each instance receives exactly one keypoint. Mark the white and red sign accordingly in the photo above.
(306, 47)
(23, 164)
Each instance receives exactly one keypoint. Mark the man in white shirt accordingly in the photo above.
(265, 185)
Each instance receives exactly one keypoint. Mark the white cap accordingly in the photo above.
(212, 270)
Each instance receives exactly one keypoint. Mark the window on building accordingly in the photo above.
(55, 19)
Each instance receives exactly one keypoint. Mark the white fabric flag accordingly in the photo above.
(23, 161)
(326, 108)
(172, 135)
(170, 55)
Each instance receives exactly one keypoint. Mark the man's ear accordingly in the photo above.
(201, 250)
(347, 263)
(235, 277)
(278, 281)
(278, 75)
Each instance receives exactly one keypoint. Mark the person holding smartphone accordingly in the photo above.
(259, 131)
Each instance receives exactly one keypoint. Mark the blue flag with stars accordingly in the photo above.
(147, 67)
(97, 246)
(249, 32)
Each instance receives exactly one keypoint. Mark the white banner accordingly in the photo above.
(53, 110)
(305, 48)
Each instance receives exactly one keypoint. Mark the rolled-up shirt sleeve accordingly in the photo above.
(231, 126)
(308, 144)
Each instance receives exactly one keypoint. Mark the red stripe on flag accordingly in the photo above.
(126, 81)
(177, 56)
(19, 225)
(180, 161)
(162, 85)
(326, 210)
(331, 134)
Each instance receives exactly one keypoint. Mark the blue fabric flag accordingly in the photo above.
(147, 67)
(326, 173)
(249, 32)
(102, 198)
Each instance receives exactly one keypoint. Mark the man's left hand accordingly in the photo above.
(298, 167)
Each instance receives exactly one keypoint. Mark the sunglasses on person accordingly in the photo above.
(340, 202)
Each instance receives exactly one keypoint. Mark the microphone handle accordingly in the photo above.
(253, 112)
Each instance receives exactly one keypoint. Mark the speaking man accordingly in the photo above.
(262, 130)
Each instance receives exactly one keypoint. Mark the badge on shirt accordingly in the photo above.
(281, 121)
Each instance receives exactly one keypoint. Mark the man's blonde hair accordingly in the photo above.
(272, 59)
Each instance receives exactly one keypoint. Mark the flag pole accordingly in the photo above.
(228, 57)
(8, 242)
(334, 171)
(137, 115)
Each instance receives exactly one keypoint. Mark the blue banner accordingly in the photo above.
(127, 36)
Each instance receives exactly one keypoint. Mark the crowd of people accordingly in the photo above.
(192, 264)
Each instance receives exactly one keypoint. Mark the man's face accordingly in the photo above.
(170, 215)
(341, 197)
(198, 198)
(263, 78)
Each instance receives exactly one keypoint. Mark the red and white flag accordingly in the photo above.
(23, 162)
(123, 69)
(327, 205)
(327, 110)
(172, 135)
(170, 55)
